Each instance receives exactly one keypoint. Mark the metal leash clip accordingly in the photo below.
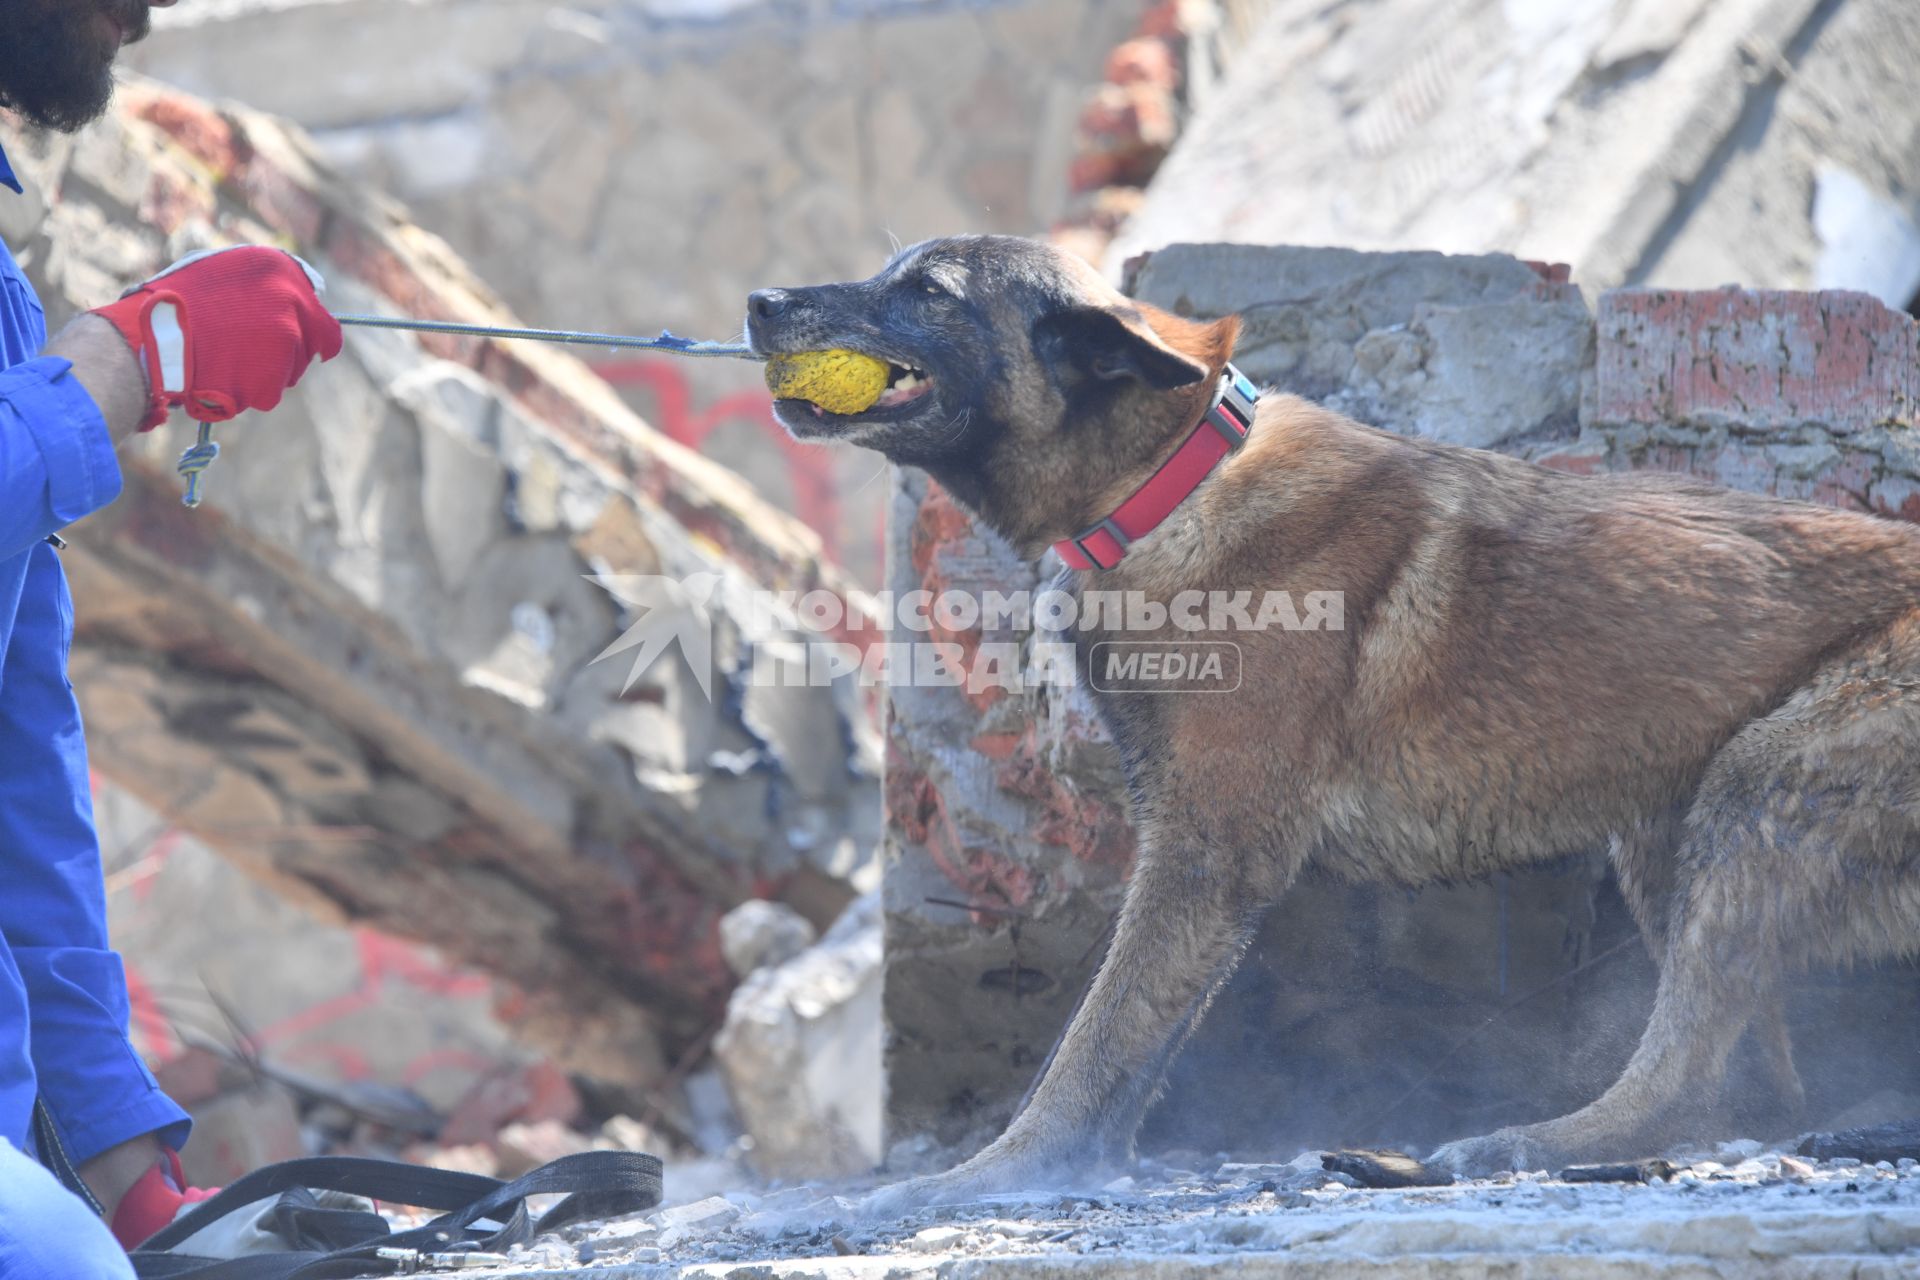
(170, 350)
(194, 462)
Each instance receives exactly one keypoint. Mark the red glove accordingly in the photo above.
(155, 1201)
(224, 331)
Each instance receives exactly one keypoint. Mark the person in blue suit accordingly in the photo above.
(87, 1138)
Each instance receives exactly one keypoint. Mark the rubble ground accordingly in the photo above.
(1744, 1211)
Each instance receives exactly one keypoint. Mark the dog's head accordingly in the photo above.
(1022, 381)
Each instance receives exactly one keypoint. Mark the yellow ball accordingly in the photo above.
(839, 381)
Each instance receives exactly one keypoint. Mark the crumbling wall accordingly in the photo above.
(365, 669)
(1683, 143)
(1363, 1013)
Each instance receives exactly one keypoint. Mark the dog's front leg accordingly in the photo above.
(1187, 917)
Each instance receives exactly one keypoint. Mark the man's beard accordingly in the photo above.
(56, 62)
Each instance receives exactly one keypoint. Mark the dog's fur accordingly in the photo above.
(1722, 689)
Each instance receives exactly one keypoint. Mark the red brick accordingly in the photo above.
(282, 201)
(1758, 359)
(1090, 828)
(195, 126)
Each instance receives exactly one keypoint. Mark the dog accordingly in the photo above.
(1721, 689)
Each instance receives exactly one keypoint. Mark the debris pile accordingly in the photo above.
(367, 669)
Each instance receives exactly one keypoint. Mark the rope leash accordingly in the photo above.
(195, 460)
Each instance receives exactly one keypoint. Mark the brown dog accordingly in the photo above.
(1722, 689)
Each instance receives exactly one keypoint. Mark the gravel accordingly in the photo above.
(1746, 1210)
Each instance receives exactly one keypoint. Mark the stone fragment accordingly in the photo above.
(801, 1054)
(525, 1147)
(622, 1233)
(1384, 1169)
(1633, 1171)
(624, 1133)
(759, 934)
(691, 1221)
(1766, 359)
(935, 1239)
(1895, 1141)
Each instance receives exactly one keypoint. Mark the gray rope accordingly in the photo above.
(666, 342)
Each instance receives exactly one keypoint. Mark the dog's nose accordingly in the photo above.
(769, 303)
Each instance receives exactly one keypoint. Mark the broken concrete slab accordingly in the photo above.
(1672, 143)
(801, 1054)
(1472, 350)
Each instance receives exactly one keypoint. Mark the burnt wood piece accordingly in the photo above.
(1384, 1169)
(1631, 1171)
(1898, 1140)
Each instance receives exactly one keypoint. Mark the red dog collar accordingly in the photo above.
(1218, 433)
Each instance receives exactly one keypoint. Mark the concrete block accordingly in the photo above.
(1472, 350)
(801, 1054)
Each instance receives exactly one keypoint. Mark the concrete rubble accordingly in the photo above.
(1682, 143)
(1739, 1211)
(757, 934)
(800, 1053)
(624, 166)
(366, 668)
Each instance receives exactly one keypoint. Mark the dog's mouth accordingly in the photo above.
(905, 384)
(909, 389)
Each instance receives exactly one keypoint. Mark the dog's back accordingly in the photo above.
(1530, 660)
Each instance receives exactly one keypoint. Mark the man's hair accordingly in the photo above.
(56, 67)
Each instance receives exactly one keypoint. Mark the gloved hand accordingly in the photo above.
(161, 1195)
(296, 1219)
(225, 330)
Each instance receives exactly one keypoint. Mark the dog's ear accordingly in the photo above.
(1112, 343)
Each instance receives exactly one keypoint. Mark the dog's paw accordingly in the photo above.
(1506, 1151)
(902, 1198)
(984, 1175)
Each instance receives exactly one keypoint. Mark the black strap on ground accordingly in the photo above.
(476, 1214)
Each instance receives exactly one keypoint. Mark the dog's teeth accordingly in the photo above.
(907, 381)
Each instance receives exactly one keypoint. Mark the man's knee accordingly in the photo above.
(48, 1233)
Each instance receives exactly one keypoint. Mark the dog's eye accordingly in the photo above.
(932, 290)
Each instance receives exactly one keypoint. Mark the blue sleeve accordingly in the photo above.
(53, 911)
(56, 455)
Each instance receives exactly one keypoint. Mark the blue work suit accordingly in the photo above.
(63, 991)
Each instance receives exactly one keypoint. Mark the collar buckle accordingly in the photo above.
(1112, 529)
(1231, 413)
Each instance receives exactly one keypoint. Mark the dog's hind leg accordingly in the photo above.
(1644, 860)
(1186, 920)
(1801, 846)
(1785, 1106)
